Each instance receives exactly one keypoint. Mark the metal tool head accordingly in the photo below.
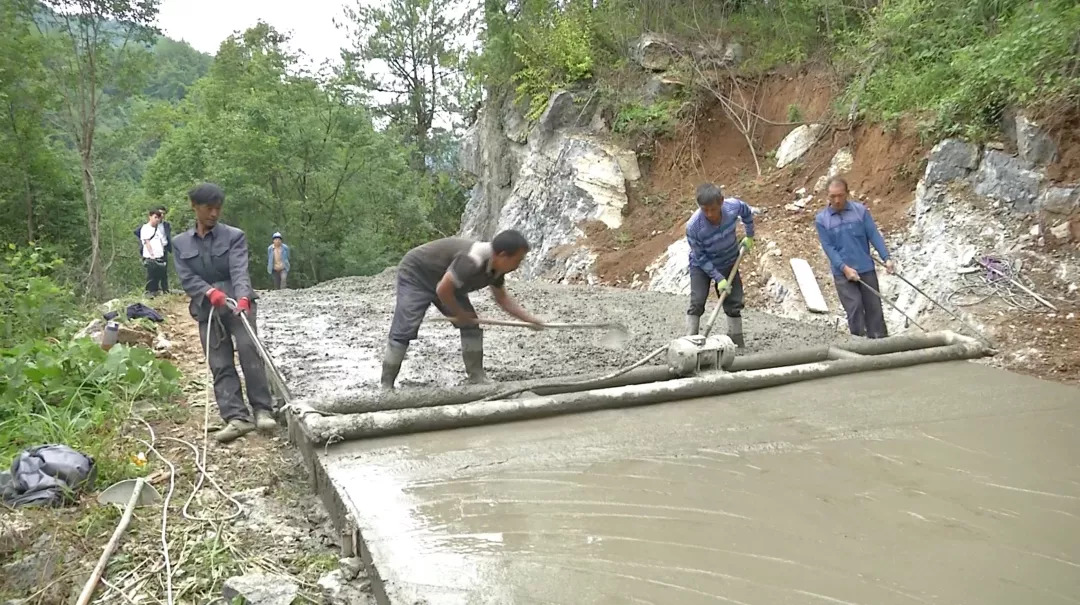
(691, 355)
(120, 493)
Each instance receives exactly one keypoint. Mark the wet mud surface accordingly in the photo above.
(329, 339)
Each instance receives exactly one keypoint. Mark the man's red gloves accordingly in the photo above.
(243, 305)
(217, 297)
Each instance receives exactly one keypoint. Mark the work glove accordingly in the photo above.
(243, 305)
(216, 297)
(747, 243)
(722, 286)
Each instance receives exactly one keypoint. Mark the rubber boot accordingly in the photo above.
(391, 365)
(233, 430)
(693, 325)
(264, 420)
(734, 331)
(472, 352)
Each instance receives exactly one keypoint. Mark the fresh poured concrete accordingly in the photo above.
(949, 483)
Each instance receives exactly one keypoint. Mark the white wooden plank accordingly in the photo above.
(811, 293)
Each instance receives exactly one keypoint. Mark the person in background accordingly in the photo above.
(277, 261)
(713, 251)
(152, 239)
(166, 226)
(212, 263)
(443, 273)
(846, 231)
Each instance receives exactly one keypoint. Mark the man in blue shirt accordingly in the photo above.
(713, 251)
(846, 231)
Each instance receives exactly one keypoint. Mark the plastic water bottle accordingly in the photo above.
(110, 335)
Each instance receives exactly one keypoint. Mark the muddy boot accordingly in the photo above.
(264, 420)
(234, 429)
(693, 325)
(472, 351)
(734, 331)
(391, 365)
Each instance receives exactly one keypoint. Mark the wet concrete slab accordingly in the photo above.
(951, 483)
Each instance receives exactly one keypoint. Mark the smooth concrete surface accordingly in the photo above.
(950, 483)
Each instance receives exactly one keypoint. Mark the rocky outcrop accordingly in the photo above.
(967, 204)
(1033, 144)
(546, 181)
(1005, 178)
(797, 143)
(670, 272)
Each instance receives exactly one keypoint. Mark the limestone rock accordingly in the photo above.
(951, 160)
(259, 589)
(351, 567)
(661, 87)
(1033, 144)
(514, 124)
(670, 271)
(841, 163)
(1062, 232)
(1003, 177)
(133, 337)
(797, 143)
(571, 180)
(653, 52)
(337, 590)
(718, 55)
(1060, 200)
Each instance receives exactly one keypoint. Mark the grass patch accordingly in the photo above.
(57, 390)
(652, 120)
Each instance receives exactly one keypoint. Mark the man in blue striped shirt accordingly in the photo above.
(846, 231)
(713, 250)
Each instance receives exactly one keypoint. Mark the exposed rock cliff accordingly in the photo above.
(546, 180)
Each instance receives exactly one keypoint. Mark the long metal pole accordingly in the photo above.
(723, 295)
(890, 303)
(984, 337)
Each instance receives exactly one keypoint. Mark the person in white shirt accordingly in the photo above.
(152, 236)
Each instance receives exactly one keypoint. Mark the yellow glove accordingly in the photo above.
(722, 286)
(747, 243)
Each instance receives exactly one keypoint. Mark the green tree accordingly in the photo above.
(99, 46)
(412, 53)
(296, 153)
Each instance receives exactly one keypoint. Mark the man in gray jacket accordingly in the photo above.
(212, 263)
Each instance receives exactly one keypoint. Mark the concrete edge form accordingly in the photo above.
(433, 397)
(321, 429)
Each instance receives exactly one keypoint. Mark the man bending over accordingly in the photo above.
(443, 273)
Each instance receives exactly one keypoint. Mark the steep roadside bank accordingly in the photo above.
(1016, 200)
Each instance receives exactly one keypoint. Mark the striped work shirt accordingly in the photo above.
(714, 248)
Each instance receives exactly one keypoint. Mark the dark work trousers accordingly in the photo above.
(280, 278)
(226, 328)
(413, 300)
(699, 292)
(157, 274)
(863, 308)
(165, 273)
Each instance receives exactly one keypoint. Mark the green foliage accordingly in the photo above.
(32, 304)
(297, 153)
(794, 114)
(961, 64)
(656, 119)
(53, 390)
(75, 393)
(553, 53)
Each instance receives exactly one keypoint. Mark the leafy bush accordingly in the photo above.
(553, 54)
(650, 120)
(960, 64)
(32, 303)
